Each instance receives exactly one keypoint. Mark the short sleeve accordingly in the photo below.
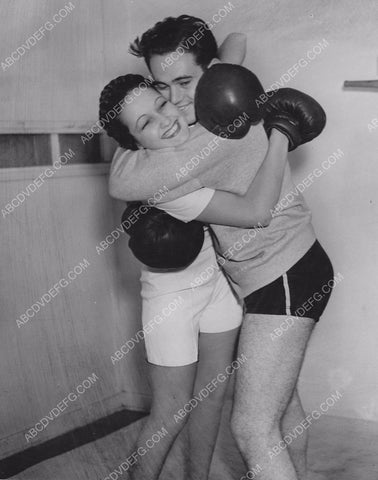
(188, 207)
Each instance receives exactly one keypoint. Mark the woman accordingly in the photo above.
(209, 308)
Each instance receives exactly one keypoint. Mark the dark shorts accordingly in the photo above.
(303, 291)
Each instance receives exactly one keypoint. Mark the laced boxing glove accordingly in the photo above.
(159, 240)
(295, 114)
(227, 93)
(225, 100)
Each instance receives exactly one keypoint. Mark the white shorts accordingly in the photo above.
(178, 305)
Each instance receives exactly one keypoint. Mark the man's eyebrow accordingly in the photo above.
(175, 80)
(183, 77)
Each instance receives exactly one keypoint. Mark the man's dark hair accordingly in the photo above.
(173, 32)
(113, 94)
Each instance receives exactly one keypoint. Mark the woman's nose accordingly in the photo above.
(165, 121)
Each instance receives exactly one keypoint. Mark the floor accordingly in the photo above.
(339, 449)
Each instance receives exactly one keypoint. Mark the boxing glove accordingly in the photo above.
(225, 100)
(159, 240)
(295, 114)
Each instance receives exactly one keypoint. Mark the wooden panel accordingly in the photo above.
(18, 150)
(24, 150)
(88, 152)
(77, 331)
(55, 84)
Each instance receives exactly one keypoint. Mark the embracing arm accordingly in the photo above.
(138, 175)
(254, 207)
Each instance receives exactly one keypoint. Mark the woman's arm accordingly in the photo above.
(253, 208)
(137, 176)
(233, 49)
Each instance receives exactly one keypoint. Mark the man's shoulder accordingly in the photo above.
(255, 139)
(256, 133)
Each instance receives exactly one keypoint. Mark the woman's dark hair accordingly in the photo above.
(111, 102)
(172, 32)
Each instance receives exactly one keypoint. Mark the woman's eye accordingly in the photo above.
(145, 125)
(163, 104)
(185, 83)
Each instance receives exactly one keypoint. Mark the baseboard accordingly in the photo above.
(127, 408)
(16, 442)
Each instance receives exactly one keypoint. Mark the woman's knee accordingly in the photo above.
(173, 420)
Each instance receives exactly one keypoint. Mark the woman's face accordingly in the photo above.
(153, 121)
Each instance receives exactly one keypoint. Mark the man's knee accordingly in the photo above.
(242, 426)
(251, 425)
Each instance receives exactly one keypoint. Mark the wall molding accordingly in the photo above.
(31, 173)
(51, 126)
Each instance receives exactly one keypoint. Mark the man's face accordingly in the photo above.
(178, 81)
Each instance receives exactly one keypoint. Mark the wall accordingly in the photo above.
(82, 323)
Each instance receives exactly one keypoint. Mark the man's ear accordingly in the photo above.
(214, 61)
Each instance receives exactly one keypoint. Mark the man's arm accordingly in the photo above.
(224, 208)
(255, 206)
(233, 49)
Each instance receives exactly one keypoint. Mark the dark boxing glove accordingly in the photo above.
(159, 240)
(225, 100)
(295, 114)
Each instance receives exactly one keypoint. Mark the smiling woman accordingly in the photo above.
(148, 119)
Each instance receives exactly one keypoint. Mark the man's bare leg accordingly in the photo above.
(264, 388)
(293, 416)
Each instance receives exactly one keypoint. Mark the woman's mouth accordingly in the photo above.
(172, 131)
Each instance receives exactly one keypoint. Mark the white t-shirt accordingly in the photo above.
(188, 207)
